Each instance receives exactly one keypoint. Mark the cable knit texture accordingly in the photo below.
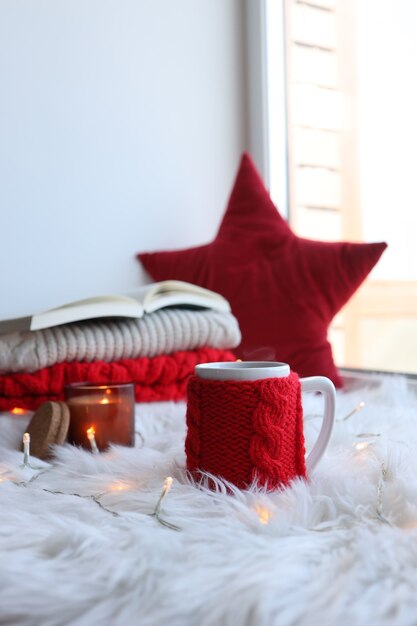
(156, 379)
(164, 332)
(245, 431)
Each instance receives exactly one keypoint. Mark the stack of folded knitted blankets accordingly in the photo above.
(157, 352)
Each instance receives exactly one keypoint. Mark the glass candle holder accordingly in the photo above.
(101, 414)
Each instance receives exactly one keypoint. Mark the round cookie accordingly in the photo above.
(48, 426)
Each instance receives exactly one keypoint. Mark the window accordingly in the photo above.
(346, 131)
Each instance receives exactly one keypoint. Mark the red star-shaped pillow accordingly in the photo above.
(284, 290)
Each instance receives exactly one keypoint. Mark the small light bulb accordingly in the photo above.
(91, 438)
(362, 445)
(26, 449)
(18, 411)
(264, 514)
(118, 487)
(165, 488)
(167, 484)
(357, 408)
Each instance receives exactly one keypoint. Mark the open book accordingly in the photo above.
(134, 304)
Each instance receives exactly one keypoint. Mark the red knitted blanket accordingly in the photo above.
(159, 378)
(246, 430)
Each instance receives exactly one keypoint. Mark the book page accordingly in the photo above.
(178, 288)
(177, 293)
(90, 308)
(89, 301)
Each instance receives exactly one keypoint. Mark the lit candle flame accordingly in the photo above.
(91, 438)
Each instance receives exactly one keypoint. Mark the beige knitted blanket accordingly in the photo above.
(162, 332)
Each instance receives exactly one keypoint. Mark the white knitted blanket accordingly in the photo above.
(162, 332)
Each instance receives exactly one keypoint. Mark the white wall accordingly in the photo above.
(121, 127)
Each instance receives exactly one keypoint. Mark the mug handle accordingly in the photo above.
(325, 386)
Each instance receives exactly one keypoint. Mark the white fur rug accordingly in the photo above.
(323, 558)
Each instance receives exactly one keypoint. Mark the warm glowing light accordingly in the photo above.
(91, 438)
(362, 445)
(118, 487)
(238, 360)
(167, 485)
(165, 488)
(104, 401)
(108, 391)
(26, 449)
(18, 411)
(263, 514)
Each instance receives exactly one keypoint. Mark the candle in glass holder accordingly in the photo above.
(107, 411)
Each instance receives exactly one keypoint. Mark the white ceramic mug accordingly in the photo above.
(258, 370)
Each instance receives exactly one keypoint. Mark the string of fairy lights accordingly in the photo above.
(264, 515)
(27, 464)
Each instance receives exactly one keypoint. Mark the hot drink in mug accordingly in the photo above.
(245, 423)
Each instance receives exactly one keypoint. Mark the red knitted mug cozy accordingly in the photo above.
(245, 431)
